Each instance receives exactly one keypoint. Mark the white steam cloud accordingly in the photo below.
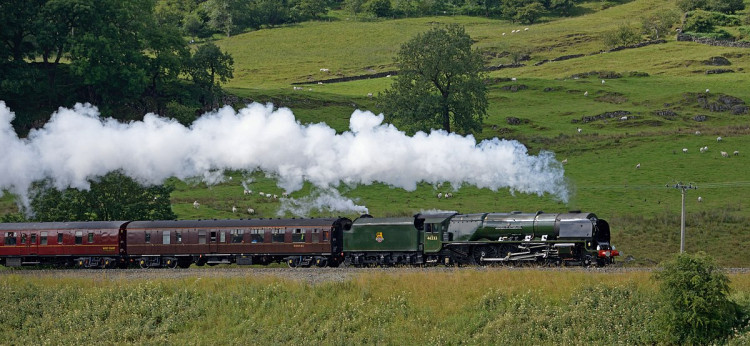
(76, 145)
(323, 200)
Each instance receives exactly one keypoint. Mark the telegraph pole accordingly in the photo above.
(684, 189)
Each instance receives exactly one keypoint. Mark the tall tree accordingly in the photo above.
(209, 67)
(440, 83)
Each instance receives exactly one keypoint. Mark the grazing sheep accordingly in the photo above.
(369, 95)
(724, 154)
(564, 162)
(285, 194)
(503, 34)
(603, 81)
(387, 76)
(248, 192)
(440, 195)
(586, 93)
(700, 199)
(250, 211)
(526, 29)
(275, 196)
(268, 195)
(638, 166)
(579, 130)
(718, 139)
(298, 88)
(513, 79)
(320, 83)
(684, 150)
(697, 133)
(448, 195)
(624, 118)
(234, 210)
(196, 205)
(707, 91)
(736, 153)
(703, 149)
(324, 70)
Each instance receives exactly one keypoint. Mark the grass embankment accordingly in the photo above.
(478, 307)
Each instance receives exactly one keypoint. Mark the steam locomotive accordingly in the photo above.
(425, 239)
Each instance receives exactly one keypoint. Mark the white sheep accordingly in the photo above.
(323, 70)
(369, 95)
(298, 88)
(624, 118)
(275, 196)
(736, 153)
(285, 194)
(579, 130)
(514, 79)
(603, 81)
(268, 195)
(586, 93)
(703, 149)
(697, 133)
(196, 205)
(247, 192)
(684, 150)
(724, 154)
(565, 162)
(526, 29)
(638, 166)
(448, 195)
(707, 91)
(700, 199)
(234, 210)
(503, 34)
(250, 211)
(718, 139)
(440, 195)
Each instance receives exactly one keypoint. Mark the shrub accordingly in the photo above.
(624, 35)
(696, 308)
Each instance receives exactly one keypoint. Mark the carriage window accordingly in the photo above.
(178, 235)
(165, 237)
(278, 235)
(91, 237)
(79, 237)
(325, 236)
(59, 238)
(256, 235)
(213, 236)
(33, 238)
(298, 236)
(223, 237)
(44, 238)
(23, 238)
(10, 238)
(237, 235)
(315, 236)
(148, 237)
(201, 237)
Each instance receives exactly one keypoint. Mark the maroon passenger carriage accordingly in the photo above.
(298, 242)
(85, 244)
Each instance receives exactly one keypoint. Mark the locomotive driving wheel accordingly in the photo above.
(484, 251)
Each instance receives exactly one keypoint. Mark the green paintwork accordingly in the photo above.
(398, 234)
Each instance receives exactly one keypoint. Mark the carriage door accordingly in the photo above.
(30, 243)
(213, 246)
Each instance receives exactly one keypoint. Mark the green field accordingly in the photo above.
(482, 306)
(601, 158)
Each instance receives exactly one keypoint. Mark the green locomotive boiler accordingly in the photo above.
(573, 238)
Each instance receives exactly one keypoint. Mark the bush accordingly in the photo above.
(624, 35)
(696, 308)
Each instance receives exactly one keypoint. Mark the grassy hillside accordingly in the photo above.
(660, 85)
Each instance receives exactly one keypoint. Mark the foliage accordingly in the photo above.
(697, 308)
(440, 83)
(700, 21)
(624, 35)
(723, 6)
(658, 24)
(528, 14)
(379, 8)
(210, 67)
(111, 197)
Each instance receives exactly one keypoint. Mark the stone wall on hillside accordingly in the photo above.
(712, 42)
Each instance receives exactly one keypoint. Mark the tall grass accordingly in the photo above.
(481, 306)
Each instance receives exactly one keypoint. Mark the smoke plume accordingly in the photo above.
(76, 145)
